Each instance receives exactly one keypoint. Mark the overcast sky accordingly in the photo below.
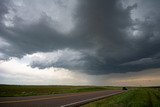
(80, 42)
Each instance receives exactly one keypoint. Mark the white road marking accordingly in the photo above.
(78, 103)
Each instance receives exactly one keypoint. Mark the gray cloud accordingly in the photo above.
(105, 33)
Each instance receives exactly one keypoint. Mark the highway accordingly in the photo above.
(57, 100)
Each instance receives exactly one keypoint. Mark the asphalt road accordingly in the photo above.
(58, 100)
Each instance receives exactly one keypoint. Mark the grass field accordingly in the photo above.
(141, 97)
(19, 90)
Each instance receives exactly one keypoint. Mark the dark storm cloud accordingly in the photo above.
(3, 11)
(39, 38)
(102, 27)
(3, 8)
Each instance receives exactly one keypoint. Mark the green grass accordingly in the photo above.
(19, 90)
(141, 97)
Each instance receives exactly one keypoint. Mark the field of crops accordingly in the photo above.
(19, 90)
(141, 97)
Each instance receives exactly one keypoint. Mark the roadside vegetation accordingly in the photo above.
(20, 90)
(140, 97)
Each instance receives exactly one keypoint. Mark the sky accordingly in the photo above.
(80, 42)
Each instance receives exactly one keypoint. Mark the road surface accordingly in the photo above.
(58, 100)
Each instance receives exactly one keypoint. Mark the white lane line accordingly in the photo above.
(78, 103)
